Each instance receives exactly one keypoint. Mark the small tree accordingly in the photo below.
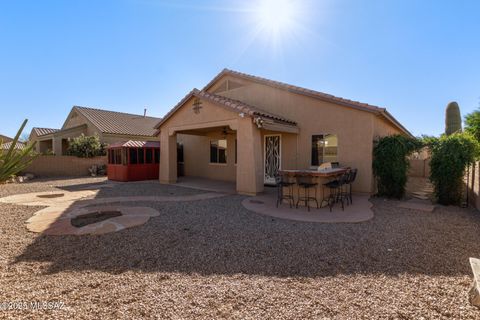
(472, 124)
(86, 146)
(450, 157)
(390, 163)
(12, 161)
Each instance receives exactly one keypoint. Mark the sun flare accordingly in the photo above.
(278, 17)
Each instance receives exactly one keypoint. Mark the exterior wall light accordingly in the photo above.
(258, 122)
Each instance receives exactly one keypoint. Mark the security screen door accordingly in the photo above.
(272, 160)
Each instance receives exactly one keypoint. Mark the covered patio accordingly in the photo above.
(222, 139)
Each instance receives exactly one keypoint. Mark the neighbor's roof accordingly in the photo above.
(231, 104)
(44, 131)
(114, 122)
(135, 144)
(7, 145)
(310, 93)
(5, 138)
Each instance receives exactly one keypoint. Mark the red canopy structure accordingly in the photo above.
(133, 160)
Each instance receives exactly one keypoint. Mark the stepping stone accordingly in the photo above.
(417, 205)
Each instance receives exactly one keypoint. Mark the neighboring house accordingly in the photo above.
(6, 146)
(44, 138)
(5, 138)
(110, 126)
(245, 128)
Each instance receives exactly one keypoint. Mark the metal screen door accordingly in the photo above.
(272, 145)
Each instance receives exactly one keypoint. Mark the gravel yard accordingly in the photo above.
(214, 259)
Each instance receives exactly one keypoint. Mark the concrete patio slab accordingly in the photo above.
(359, 211)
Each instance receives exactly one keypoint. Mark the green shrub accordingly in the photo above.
(12, 161)
(390, 164)
(450, 157)
(472, 124)
(86, 147)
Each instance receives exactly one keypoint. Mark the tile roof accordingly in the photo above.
(311, 93)
(5, 138)
(135, 144)
(234, 105)
(114, 122)
(6, 146)
(44, 131)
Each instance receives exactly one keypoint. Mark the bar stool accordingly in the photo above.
(336, 191)
(306, 183)
(352, 177)
(284, 181)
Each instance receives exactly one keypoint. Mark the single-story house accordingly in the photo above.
(110, 126)
(244, 128)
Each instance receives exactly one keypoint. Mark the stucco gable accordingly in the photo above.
(236, 107)
(244, 79)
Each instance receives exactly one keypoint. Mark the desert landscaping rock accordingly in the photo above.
(57, 218)
(211, 259)
(417, 204)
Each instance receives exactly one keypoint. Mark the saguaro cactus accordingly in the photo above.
(453, 121)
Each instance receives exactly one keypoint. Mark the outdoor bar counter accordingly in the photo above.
(319, 176)
(327, 173)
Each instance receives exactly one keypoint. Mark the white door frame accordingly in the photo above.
(265, 181)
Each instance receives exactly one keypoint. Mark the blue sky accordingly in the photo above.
(410, 56)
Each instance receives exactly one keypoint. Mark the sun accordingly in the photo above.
(276, 18)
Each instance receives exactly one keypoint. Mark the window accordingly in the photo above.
(118, 156)
(235, 151)
(324, 148)
(141, 156)
(133, 155)
(148, 156)
(218, 151)
(157, 155)
(115, 156)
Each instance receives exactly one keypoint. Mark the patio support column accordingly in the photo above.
(57, 146)
(168, 157)
(249, 158)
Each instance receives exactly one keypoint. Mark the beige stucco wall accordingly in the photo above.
(197, 144)
(196, 130)
(196, 155)
(384, 128)
(354, 128)
(55, 166)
